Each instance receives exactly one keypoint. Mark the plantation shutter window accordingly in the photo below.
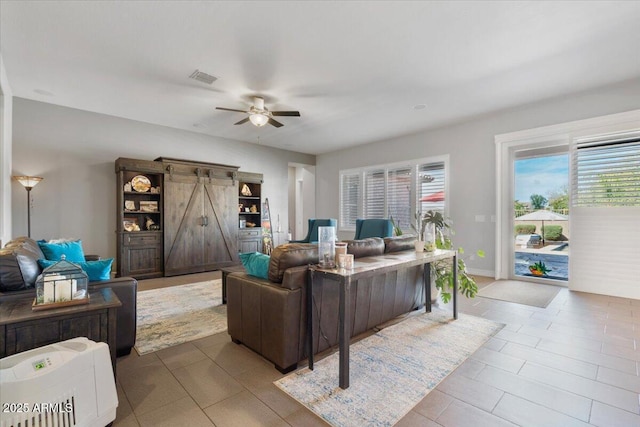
(431, 187)
(607, 172)
(350, 193)
(392, 191)
(605, 199)
(399, 195)
(374, 194)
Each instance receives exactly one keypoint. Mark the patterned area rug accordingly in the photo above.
(391, 371)
(171, 316)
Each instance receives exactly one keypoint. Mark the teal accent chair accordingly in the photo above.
(312, 234)
(373, 228)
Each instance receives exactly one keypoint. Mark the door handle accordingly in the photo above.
(205, 220)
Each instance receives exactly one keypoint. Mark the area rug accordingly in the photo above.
(527, 293)
(391, 371)
(174, 315)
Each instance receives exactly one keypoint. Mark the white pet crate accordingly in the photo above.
(69, 383)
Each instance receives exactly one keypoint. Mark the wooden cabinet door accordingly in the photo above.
(183, 228)
(200, 225)
(221, 225)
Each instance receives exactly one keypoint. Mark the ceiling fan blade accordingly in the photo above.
(231, 109)
(243, 121)
(286, 113)
(275, 123)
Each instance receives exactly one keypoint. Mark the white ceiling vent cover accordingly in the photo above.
(203, 77)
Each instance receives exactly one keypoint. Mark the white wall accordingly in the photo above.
(6, 120)
(75, 151)
(472, 154)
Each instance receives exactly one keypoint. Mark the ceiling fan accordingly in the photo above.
(259, 115)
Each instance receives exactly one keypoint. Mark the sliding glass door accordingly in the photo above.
(541, 214)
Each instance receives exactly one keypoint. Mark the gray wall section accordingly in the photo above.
(472, 160)
(75, 150)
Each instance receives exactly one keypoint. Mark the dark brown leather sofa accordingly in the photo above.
(269, 316)
(19, 270)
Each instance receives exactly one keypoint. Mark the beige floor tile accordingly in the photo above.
(501, 360)
(591, 389)
(459, 414)
(243, 410)
(470, 391)
(305, 418)
(235, 358)
(279, 401)
(524, 413)
(433, 405)
(469, 368)
(180, 355)
(619, 379)
(550, 397)
(594, 357)
(207, 383)
(131, 363)
(580, 349)
(124, 414)
(563, 363)
(413, 419)
(151, 387)
(184, 412)
(219, 338)
(607, 416)
(519, 337)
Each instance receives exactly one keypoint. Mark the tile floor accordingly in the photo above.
(574, 363)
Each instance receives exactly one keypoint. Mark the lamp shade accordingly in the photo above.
(258, 119)
(28, 181)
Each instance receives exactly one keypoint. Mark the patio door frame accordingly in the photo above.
(543, 137)
(505, 241)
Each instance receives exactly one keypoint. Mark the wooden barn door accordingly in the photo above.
(199, 225)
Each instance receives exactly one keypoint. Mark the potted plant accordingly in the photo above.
(426, 233)
(539, 269)
(442, 270)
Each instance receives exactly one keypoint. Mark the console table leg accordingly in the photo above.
(310, 319)
(427, 287)
(345, 321)
(455, 285)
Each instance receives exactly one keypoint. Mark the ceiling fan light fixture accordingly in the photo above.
(259, 119)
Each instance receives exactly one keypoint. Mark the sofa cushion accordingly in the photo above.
(19, 268)
(399, 243)
(370, 246)
(72, 250)
(291, 255)
(96, 270)
(256, 264)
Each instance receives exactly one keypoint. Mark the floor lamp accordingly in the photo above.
(28, 182)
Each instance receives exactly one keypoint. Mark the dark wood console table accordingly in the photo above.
(22, 329)
(374, 266)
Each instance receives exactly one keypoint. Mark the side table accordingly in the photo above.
(22, 329)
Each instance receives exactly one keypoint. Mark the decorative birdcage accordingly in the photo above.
(61, 284)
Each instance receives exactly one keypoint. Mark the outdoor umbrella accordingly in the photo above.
(542, 215)
(434, 197)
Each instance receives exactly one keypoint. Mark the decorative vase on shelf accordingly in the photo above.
(326, 247)
(429, 237)
(419, 245)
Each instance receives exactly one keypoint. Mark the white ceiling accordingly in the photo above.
(355, 70)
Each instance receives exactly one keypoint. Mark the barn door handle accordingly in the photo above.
(205, 220)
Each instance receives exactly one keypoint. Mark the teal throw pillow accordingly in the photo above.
(72, 250)
(256, 264)
(96, 270)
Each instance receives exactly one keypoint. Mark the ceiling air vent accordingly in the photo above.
(203, 77)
